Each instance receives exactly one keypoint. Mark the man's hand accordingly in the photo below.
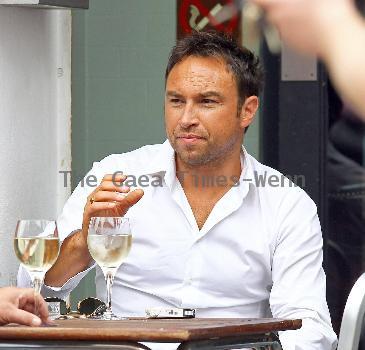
(331, 29)
(17, 306)
(110, 198)
(307, 25)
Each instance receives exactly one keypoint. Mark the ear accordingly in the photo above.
(248, 110)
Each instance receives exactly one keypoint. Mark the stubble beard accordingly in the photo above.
(213, 155)
(210, 155)
(193, 158)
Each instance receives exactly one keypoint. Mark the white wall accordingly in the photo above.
(35, 120)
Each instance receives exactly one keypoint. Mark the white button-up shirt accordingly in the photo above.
(259, 253)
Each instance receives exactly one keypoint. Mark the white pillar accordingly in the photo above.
(35, 120)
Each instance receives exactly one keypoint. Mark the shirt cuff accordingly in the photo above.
(314, 335)
(68, 286)
(24, 280)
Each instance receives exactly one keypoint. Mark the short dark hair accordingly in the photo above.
(244, 65)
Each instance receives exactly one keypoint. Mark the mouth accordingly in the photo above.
(190, 138)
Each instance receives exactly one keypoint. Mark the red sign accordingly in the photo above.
(221, 15)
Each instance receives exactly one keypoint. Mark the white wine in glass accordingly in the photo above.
(109, 241)
(36, 245)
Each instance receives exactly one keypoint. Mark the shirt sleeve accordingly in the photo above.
(25, 281)
(69, 222)
(299, 282)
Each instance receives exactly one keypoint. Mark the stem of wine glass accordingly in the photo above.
(109, 277)
(37, 285)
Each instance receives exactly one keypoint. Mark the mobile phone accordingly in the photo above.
(172, 312)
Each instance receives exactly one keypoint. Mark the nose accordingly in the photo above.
(189, 116)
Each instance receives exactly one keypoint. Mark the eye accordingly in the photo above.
(175, 101)
(208, 101)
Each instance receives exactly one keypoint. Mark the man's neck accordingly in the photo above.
(212, 178)
(205, 185)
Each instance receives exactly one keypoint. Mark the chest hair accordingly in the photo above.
(201, 208)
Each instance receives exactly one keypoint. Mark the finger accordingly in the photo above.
(12, 294)
(28, 304)
(117, 177)
(131, 199)
(28, 307)
(98, 207)
(42, 308)
(111, 186)
(107, 196)
(26, 296)
(103, 187)
(14, 315)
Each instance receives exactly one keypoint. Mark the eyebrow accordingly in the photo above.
(204, 94)
(210, 94)
(173, 94)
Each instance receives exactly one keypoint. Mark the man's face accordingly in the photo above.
(202, 120)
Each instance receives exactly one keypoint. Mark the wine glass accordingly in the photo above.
(109, 241)
(36, 245)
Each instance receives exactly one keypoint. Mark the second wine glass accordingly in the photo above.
(36, 245)
(109, 241)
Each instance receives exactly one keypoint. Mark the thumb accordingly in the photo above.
(131, 199)
(26, 318)
(265, 4)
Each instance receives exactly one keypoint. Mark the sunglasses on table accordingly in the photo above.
(86, 308)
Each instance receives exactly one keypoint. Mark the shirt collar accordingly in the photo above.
(247, 174)
(164, 162)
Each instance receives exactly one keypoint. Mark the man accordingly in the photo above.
(205, 235)
(332, 29)
(17, 306)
